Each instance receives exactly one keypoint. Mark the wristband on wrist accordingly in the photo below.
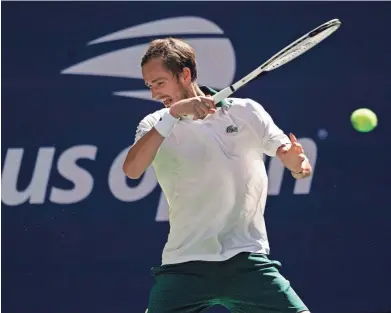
(166, 124)
(298, 175)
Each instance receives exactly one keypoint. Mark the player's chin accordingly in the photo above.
(307, 173)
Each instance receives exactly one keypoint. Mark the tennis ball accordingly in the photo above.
(363, 120)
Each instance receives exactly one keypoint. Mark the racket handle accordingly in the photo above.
(223, 94)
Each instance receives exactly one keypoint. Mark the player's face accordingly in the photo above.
(164, 85)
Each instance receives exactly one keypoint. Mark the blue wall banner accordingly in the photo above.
(78, 236)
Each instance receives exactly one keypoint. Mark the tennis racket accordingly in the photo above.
(284, 56)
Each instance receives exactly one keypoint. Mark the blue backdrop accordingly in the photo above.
(79, 237)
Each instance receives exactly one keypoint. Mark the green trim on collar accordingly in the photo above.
(209, 91)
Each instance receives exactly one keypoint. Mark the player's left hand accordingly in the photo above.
(294, 159)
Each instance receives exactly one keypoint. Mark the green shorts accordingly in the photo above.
(246, 283)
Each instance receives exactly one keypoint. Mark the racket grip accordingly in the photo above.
(223, 94)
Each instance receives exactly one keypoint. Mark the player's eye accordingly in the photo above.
(161, 83)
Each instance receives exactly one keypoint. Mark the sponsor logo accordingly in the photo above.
(232, 129)
(216, 70)
(39, 188)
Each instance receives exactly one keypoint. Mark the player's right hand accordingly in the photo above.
(198, 107)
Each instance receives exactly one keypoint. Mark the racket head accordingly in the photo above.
(290, 52)
(301, 45)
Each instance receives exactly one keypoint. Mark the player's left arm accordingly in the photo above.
(293, 157)
(274, 142)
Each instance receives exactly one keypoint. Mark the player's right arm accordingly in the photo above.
(153, 129)
(142, 153)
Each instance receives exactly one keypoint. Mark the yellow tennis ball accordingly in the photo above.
(363, 120)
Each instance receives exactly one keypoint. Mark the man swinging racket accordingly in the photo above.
(208, 162)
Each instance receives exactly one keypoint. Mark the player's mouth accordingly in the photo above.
(167, 101)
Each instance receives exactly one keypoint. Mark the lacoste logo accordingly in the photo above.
(231, 129)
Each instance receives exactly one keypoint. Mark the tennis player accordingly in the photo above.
(208, 161)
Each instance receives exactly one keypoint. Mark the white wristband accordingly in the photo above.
(298, 175)
(166, 123)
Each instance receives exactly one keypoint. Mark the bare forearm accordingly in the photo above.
(141, 155)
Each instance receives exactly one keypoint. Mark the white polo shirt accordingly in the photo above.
(213, 176)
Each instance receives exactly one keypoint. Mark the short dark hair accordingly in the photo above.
(175, 53)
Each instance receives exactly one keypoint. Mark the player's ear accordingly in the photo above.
(186, 75)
